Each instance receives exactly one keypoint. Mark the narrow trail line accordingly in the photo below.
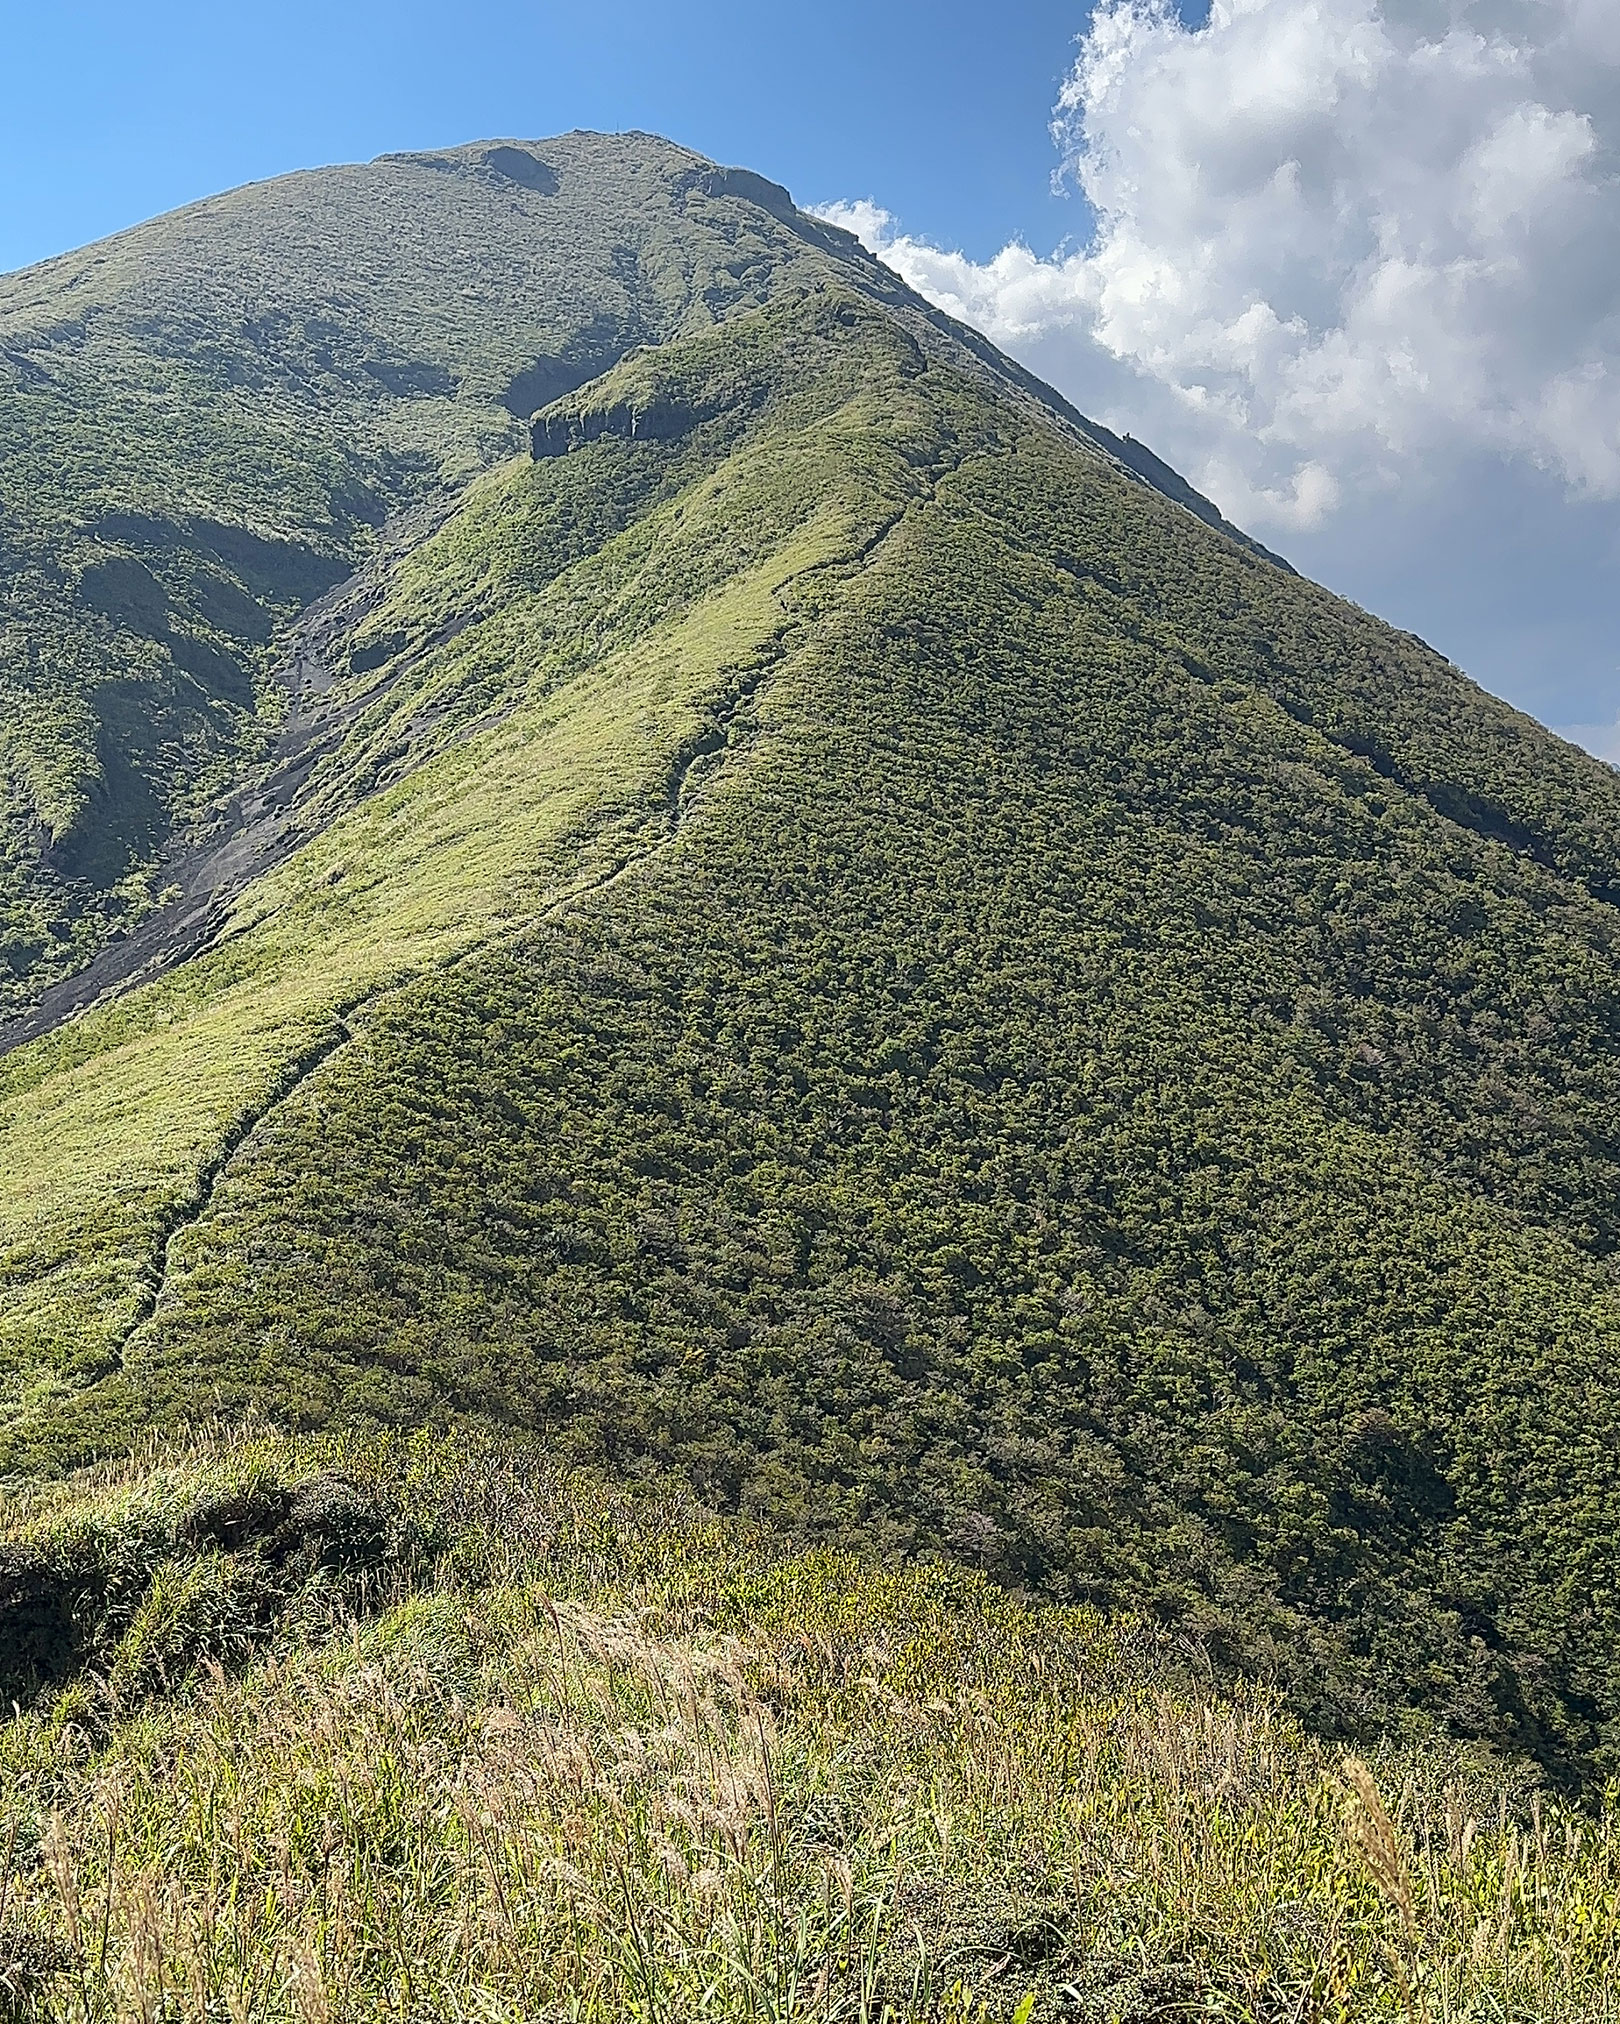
(192, 1207)
(195, 1206)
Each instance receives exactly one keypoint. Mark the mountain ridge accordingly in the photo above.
(817, 933)
(173, 604)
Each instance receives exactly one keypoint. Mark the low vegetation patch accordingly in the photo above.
(406, 1729)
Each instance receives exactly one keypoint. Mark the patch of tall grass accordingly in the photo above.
(485, 1739)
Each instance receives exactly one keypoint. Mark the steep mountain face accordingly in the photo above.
(810, 927)
(202, 423)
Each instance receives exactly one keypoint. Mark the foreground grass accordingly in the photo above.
(354, 1731)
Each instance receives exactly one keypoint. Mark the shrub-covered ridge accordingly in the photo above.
(850, 950)
(869, 987)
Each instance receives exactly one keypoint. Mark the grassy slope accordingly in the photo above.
(1055, 1099)
(203, 420)
(361, 1730)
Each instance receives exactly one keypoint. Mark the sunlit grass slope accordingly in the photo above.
(350, 1729)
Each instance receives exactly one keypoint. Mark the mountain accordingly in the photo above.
(619, 831)
(204, 422)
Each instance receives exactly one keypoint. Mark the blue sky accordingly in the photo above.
(115, 112)
(1352, 264)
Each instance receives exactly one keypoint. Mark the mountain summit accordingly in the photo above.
(617, 829)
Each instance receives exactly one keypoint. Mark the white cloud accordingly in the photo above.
(1341, 246)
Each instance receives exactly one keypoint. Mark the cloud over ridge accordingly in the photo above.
(1336, 242)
